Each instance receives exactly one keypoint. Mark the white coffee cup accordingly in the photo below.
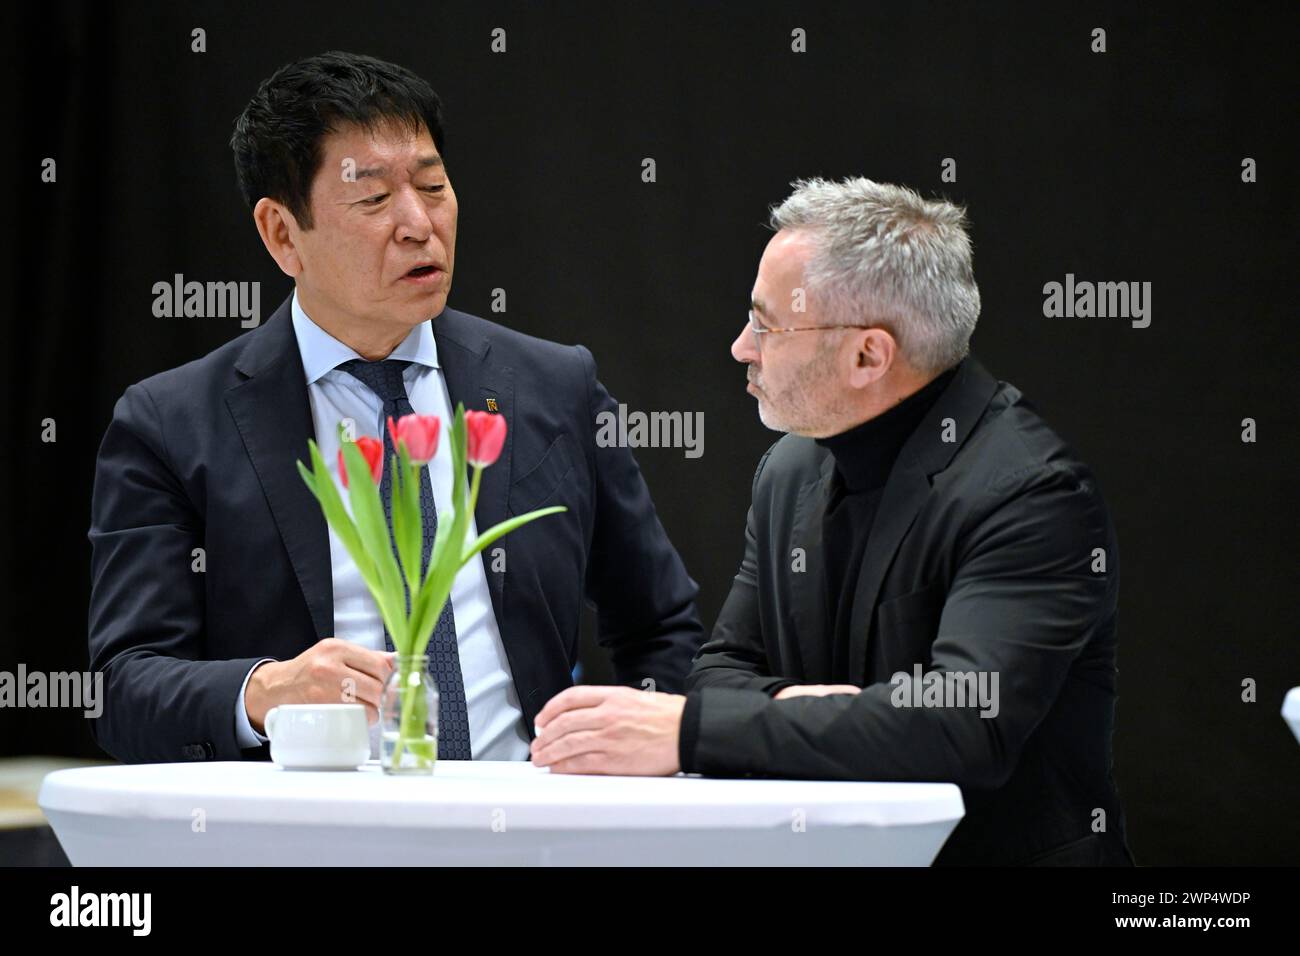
(318, 736)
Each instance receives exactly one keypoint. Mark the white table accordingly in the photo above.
(1291, 710)
(484, 813)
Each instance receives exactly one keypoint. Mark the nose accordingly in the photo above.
(742, 349)
(412, 216)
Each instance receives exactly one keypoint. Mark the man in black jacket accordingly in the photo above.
(930, 578)
(218, 590)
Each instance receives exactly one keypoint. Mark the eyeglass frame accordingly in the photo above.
(761, 330)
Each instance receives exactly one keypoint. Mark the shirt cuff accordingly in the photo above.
(245, 735)
(688, 733)
(775, 688)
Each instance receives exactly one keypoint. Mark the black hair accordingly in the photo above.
(278, 138)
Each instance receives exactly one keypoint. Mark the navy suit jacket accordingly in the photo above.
(203, 457)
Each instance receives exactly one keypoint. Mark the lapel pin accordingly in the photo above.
(492, 404)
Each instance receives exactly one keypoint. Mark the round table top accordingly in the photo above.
(460, 793)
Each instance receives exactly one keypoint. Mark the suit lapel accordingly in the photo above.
(924, 454)
(272, 411)
(473, 379)
(808, 589)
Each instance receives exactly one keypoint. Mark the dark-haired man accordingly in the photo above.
(340, 158)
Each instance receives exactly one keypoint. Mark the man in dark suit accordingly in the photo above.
(218, 590)
(929, 585)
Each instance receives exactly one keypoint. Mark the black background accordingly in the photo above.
(1122, 166)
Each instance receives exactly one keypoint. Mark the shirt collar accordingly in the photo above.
(865, 454)
(322, 352)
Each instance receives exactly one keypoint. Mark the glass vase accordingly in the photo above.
(408, 715)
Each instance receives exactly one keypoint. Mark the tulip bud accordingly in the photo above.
(485, 435)
(420, 432)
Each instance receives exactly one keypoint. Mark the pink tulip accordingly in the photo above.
(372, 450)
(486, 433)
(420, 432)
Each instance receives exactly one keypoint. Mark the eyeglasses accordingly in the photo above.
(761, 330)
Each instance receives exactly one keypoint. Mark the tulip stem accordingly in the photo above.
(405, 731)
(473, 492)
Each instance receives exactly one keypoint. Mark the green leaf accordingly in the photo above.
(322, 485)
(440, 539)
(447, 558)
(406, 521)
(411, 501)
(368, 513)
(505, 527)
(425, 613)
(444, 561)
(458, 452)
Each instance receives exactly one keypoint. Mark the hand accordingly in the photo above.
(331, 671)
(614, 730)
(815, 690)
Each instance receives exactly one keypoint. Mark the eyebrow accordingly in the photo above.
(424, 162)
(757, 306)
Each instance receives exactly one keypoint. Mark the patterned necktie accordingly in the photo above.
(384, 378)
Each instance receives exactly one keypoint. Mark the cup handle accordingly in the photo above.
(269, 722)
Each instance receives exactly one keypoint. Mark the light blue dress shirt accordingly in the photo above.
(496, 725)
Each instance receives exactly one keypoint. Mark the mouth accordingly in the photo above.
(424, 275)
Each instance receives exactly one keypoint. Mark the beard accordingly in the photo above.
(809, 403)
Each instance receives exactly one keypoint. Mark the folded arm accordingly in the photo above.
(1023, 603)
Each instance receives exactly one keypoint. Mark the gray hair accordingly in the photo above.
(882, 250)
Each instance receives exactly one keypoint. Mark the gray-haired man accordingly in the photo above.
(929, 585)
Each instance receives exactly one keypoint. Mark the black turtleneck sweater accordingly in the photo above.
(864, 456)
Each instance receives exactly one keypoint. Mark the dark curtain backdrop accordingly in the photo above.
(1122, 166)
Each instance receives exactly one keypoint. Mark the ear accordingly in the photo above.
(874, 353)
(279, 230)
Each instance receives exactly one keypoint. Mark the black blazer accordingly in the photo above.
(981, 559)
(203, 456)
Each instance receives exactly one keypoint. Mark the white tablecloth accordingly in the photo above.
(484, 813)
